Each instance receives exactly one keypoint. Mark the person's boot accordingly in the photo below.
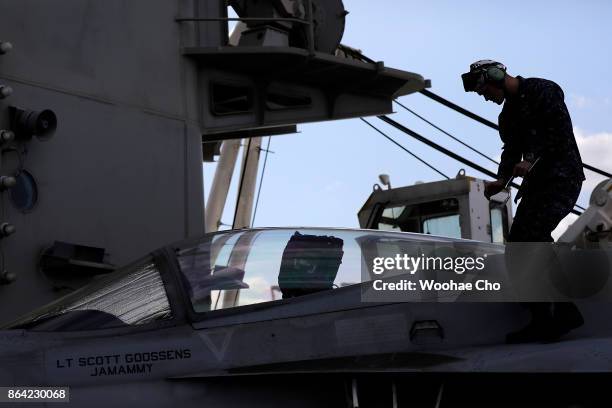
(541, 328)
(534, 332)
(566, 317)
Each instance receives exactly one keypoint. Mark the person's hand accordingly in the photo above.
(493, 187)
(521, 169)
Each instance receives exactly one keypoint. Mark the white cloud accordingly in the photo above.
(595, 147)
(583, 102)
(596, 150)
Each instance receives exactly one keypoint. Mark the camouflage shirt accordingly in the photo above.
(535, 123)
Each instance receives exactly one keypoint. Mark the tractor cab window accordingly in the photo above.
(499, 222)
(440, 217)
(445, 226)
(133, 297)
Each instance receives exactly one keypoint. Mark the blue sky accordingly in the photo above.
(322, 176)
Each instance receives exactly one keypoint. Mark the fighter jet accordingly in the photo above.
(287, 317)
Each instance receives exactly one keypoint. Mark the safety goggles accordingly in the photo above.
(473, 81)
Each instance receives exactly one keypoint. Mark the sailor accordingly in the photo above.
(539, 146)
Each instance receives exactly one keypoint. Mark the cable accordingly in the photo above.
(246, 160)
(465, 144)
(446, 151)
(472, 115)
(445, 132)
(438, 147)
(492, 125)
(459, 109)
(406, 150)
(263, 172)
(596, 170)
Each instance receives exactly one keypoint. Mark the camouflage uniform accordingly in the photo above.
(535, 123)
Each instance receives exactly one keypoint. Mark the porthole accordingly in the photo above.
(24, 194)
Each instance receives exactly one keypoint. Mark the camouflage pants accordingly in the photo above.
(541, 210)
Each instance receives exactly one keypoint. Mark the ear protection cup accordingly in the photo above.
(495, 74)
(483, 71)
